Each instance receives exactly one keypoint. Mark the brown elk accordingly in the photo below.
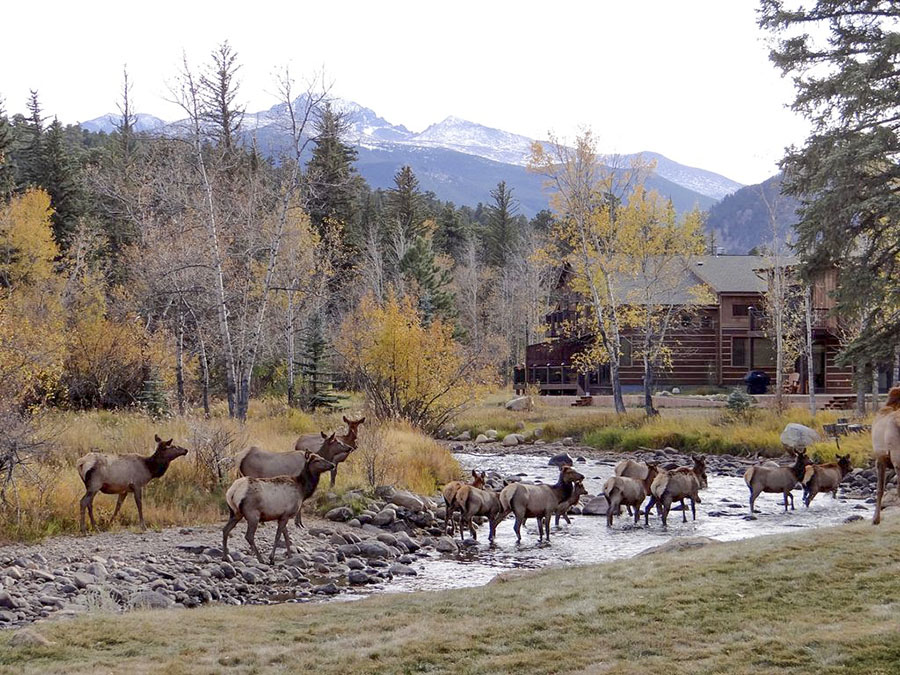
(255, 462)
(769, 477)
(824, 478)
(449, 493)
(676, 485)
(335, 452)
(629, 491)
(538, 501)
(631, 468)
(475, 501)
(121, 474)
(886, 445)
(278, 498)
(562, 511)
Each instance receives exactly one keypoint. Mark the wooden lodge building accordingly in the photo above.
(714, 345)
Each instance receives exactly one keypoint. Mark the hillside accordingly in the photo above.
(744, 220)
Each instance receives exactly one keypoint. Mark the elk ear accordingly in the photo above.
(346, 421)
(157, 438)
(474, 473)
(324, 435)
(361, 420)
(169, 442)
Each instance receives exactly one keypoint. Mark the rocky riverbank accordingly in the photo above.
(183, 567)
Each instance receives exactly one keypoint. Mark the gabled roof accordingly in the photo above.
(731, 273)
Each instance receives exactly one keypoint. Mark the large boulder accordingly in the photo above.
(481, 438)
(384, 517)
(149, 600)
(341, 514)
(799, 436)
(562, 459)
(407, 500)
(520, 403)
(464, 436)
(491, 434)
(510, 440)
(596, 506)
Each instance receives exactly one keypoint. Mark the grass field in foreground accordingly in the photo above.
(823, 601)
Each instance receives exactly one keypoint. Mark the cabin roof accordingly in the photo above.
(731, 273)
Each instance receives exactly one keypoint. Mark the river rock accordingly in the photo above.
(83, 579)
(510, 440)
(357, 577)
(679, 544)
(374, 549)
(481, 438)
(491, 434)
(562, 459)
(445, 545)
(597, 506)
(8, 601)
(568, 441)
(400, 569)
(519, 403)
(464, 436)
(384, 517)
(340, 514)
(407, 500)
(148, 600)
(537, 432)
(29, 638)
(799, 436)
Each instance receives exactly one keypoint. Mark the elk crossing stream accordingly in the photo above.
(587, 540)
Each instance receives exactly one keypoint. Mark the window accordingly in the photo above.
(625, 353)
(753, 354)
(740, 310)
(740, 354)
(706, 321)
(763, 353)
(686, 320)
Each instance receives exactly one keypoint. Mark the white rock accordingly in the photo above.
(520, 403)
(799, 436)
(510, 440)
(481, 438)
(491, 434)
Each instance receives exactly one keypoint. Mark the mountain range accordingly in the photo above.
(458, 160)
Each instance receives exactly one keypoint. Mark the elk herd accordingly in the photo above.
(273, 486)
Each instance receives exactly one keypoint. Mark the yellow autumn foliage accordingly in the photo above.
(410, 371)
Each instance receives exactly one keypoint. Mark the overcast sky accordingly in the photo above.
(690, 79)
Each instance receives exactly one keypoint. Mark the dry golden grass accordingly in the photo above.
(812, 602)
(45, 500)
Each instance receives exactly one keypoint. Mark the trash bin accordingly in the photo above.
(757, 382)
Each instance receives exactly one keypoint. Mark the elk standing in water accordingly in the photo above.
(475, 501)
(278, 498)
(824, 478)
(629, 491)
(537, 501)
(335, 452)
(769, 477)
(121, 474)
(630, 468)
(449, 492)
(886, 445)
(676, 485)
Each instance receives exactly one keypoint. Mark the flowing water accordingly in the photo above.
(587, 540)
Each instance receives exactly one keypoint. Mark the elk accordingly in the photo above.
(629, 491)
(475, 501)
(333, 453)
(768, 477)
(886, 445)
(631, 468)
(675, 485)
(121, 474)
(562, 511)
(537, 501)
(824, 478)
(449, 492)
(278, 498)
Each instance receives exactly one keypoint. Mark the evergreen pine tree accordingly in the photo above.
(7, 168)
(452, 233)
(30, 158)
(501, 235)
(406, 204)
(59, 178)
(318, 391)
(219, 90)
(435, 298)
(332, 183)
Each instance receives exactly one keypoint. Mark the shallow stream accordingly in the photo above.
(587, 540)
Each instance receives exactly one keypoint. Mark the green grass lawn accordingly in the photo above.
(822, 601)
